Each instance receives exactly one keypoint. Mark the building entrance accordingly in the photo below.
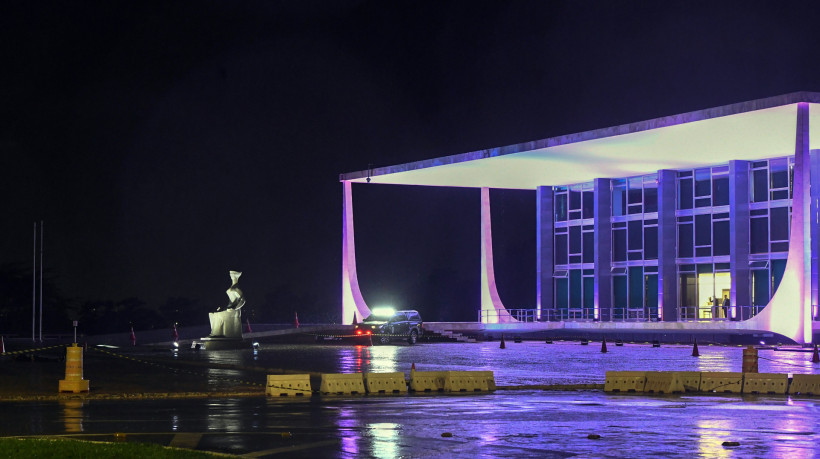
(713, 290)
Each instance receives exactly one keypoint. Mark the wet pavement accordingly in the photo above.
(507, 423)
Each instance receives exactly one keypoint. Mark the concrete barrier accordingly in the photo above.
(765, 383)
(283, 385)
(489, 376)
(427, 381)
(721, 382)
(468, 381)
(663, 382)
(805, 385)
(625, 381)
(388, 383)
(342, 383)
(690, 380)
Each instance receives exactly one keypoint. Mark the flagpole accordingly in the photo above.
(34, 285)
(42, 229)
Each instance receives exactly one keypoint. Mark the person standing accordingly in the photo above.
(726, 306)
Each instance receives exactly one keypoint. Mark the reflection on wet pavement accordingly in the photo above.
(522, 423)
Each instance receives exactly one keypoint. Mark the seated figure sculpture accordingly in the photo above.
(227, 323)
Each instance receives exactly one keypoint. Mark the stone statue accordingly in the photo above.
(227, 323)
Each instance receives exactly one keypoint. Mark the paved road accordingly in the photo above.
(504, 424)
(515, 423)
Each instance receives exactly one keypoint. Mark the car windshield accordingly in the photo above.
(374, 318)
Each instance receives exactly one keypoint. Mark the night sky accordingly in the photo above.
(165, 143)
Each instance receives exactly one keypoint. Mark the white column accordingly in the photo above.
(492, 310)
(789, 311)
(352, 300)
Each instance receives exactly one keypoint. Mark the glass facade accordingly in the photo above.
(634, 264)
(574, 250)
(703, 250)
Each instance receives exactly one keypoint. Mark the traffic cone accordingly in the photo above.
(695, 352)
(248, 321)
(2, 346)
(176, 334)
(503, 344)
(603, 345)
(133, 337)
(296, 320)
(354, 318)
(815, 358)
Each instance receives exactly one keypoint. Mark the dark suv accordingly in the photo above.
(386, 326)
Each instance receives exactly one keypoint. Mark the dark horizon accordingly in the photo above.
(166, 144)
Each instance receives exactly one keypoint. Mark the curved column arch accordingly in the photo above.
(789, 310)
(492, 309)
(352, 300)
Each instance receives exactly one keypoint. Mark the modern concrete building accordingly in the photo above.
(703, 220)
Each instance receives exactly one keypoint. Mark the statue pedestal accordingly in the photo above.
(217, 344)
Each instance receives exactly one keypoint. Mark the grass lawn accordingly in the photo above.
(64, 448)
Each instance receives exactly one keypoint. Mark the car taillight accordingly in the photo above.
(368, 332)
(358, 332)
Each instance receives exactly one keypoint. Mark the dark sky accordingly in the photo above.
(164, 143)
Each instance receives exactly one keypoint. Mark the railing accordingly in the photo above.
(716, 313)
(685, 314)
(631, 315)
(521, 315)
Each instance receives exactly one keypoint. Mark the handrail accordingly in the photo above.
(685, 314)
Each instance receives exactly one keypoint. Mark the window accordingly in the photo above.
(779, 218)
(650, 195)
(574, 199)
(688, 292)
(588, 204)
(686, 234)
(760, 287)
(685, 193)
(703, 230)
(703, 188)
(561, 207)
(619, 245)
(760, 185)
(619, 292)
(589, 246)
(720, 191)
(635, 236)
(650, 243)
(720, 230)
(561, 249)
(561, 292)
(759, 235)
(779, 178)
(636, 287)
(575, 288)
(618, 198)
(589, 292)
(778, 268)
(635, 195)
(574, 239)
(771, 180)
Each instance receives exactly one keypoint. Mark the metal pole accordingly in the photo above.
(34, 285)
(42, 228)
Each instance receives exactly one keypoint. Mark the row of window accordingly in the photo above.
(703, 235)
(769, 180)
(636, 287)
